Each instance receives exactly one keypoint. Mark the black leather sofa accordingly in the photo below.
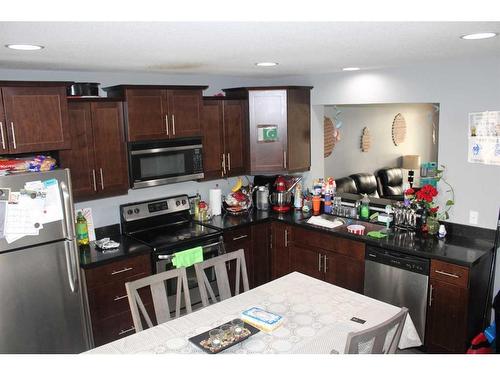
(390, 183)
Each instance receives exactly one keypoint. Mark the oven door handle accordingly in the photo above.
(165, 257)
(169, 257)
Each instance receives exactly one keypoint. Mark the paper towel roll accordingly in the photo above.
(215, 201)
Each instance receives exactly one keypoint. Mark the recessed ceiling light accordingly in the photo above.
(350, 69)
(266, 63)
(24, 47)
(477, 36)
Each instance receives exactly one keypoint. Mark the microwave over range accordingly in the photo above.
(153, 163)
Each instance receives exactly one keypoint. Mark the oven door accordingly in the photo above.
(159, 163)
(211, 249)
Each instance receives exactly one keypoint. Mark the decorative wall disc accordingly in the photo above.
(398, 129)
(366, 140)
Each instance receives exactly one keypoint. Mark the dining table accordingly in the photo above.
(317, 317)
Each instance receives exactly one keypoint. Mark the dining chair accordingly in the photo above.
(380, 339)
(222, 279)
(156, 284)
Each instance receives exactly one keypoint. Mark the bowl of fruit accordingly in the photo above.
(239, 200)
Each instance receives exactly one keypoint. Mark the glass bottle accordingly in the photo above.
(82, 230)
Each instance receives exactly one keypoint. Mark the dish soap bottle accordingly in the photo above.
(82, 230)
(364, 211)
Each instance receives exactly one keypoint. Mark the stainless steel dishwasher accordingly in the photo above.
(398, 279)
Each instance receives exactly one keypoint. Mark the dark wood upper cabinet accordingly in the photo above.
(224, 137)
(279, 122)
(35, 118)
(97, 159)
(160, 112)
(4, 141)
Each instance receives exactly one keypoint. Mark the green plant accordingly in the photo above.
(444, 215)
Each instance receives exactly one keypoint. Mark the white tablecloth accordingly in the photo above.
(317, 320)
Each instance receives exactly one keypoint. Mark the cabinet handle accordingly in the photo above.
(122, 270)
(324, 264)
(93, 177)
(319, 262)
(447, 274)
(430, 296)
(102, 179)
(124, 331)
(284, 159)
(240, 237)
(173, 124)
(286, 237)
(3, 138)
(13, 135)
(117, 298)
(223, 164)
(229, 162)
(166, 123)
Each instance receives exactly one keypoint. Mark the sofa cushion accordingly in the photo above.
(346, 185)
(391, 182)
(366, 183)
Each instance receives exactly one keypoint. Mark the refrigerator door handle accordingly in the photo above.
(68, 211)
(71, 264)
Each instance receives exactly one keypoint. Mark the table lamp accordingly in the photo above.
(411, 162)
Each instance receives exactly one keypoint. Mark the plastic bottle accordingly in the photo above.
(196, 202)
(82, 230)
(364, 212)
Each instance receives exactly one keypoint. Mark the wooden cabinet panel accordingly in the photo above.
(450, 273)
(349, 248)
(234, 240)
(280, 251)
(80, 159)
(213, 139)
(146, 114)
(310, 238)
(267, 109)
(344, 271)
(446, 318)
(109, 142)
(36, 118)
(184, 108)
(299, 130)
(306, 261)
(234, 137)
(260, 254)
(4, 141)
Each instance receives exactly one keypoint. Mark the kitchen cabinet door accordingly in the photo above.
(213, 140)
(307, 261)
(147, 117)
(260, 253)
(4, 142)
(80, 159)
(344, 271)
(109, 143)
(184, 108)
(36, 118)
(267, 115)
(234, 240)
(299, 130)
(280, 249)
(446, 318)
(234, 137)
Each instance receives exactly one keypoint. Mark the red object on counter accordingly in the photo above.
(280, 184)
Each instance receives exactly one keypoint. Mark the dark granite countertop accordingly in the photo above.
(458, 247)
(91, 256)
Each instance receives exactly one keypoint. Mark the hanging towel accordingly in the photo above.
(188, 257)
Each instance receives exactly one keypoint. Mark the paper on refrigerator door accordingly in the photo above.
(22, 219)
(53, 209)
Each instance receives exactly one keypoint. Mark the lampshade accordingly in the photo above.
(411, 162)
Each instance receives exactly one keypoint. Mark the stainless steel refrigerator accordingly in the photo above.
(42, 306)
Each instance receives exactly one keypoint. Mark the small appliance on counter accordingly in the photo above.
(281, 197)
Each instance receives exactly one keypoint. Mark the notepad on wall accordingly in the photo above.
(264, 320)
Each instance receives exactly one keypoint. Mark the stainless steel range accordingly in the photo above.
(167, 227)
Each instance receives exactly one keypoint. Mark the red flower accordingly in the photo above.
(433, 210)
(409, 191)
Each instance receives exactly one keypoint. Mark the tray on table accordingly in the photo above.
(202, 340)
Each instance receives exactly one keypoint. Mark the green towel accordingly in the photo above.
(188, 257)
(376, 234)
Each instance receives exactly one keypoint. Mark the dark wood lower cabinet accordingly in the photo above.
(345, 272)
(261, 264)
(280, 251)
(234, 240)
(306, 261)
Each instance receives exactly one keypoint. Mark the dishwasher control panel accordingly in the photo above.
(398, 260)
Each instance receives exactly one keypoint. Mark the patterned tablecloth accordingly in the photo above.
(317, 320)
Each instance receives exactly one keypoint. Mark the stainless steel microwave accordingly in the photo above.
(154, 163)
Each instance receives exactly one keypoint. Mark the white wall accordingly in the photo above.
(105, 211)
(347, 157)
(459, 88)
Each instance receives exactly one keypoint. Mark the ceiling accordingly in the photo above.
(233, 48)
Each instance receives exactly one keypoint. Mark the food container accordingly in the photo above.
(356, 229)
(83, 89)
